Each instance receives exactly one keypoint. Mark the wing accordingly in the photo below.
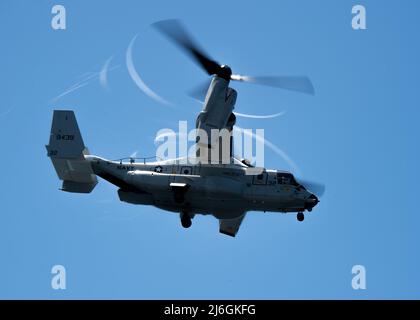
(230, 227)
(216, 114)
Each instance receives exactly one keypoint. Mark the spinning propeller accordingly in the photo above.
(175, 31)
(315, 187)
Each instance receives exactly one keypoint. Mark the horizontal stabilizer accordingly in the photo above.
(78, 187)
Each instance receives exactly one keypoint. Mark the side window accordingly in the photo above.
(260, 179)
(186, 170)
(284, 178)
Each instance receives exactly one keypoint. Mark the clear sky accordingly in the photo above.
(358, 135)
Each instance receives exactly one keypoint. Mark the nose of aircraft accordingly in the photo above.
(311, 202)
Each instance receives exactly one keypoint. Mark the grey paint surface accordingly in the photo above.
(226, 191)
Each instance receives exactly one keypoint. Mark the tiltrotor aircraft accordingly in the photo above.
(225, 190)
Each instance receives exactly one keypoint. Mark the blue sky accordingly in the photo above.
(358, 135)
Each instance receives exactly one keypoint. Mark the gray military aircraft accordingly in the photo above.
(225, 190)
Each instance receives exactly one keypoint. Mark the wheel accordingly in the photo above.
(186, 221)
(300, 216)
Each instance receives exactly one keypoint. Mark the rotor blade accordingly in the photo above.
(317, 188)
(255, 116)
(175, 31)
(293, 83)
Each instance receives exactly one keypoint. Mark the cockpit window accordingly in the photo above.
(286, 178)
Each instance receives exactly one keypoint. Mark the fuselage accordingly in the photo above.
(220, 190)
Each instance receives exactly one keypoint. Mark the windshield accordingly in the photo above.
(286, 178)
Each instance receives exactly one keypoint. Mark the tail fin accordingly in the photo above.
(67, 150)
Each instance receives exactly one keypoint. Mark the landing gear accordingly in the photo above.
(300, 216)
(186, 220)
(179, 197)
